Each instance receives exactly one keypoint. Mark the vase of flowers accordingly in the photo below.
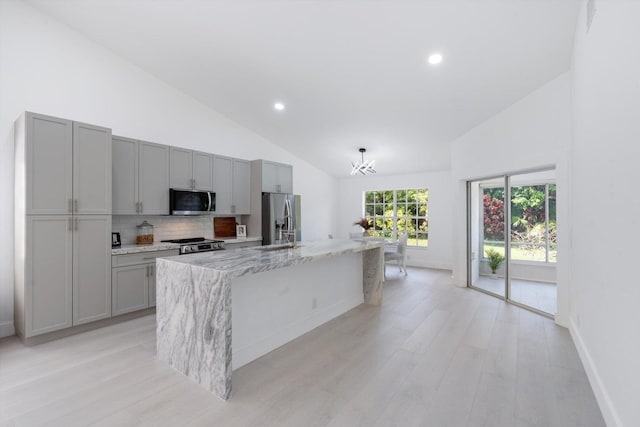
(366, 224)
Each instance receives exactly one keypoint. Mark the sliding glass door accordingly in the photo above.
(533, 248)
(515, 212)
(487, 236)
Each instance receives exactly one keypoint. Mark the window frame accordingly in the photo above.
(420, 236)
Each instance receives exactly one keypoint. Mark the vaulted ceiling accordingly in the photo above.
(350, 73)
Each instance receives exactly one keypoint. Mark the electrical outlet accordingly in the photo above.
(314, 303)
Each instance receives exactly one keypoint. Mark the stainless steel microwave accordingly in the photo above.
(191, 202)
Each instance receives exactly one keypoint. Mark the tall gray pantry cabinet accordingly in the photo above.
(62, 224)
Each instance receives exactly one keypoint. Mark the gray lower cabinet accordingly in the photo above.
(64, 277)
(133, 280)
(91, 268)
(44, 286)
(152, 285)
(129, 288)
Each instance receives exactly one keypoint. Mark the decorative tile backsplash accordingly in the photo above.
(164, 227)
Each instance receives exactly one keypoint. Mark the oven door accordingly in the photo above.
(192, 202)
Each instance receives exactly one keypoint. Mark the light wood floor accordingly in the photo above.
(540, 295)
(432, 355)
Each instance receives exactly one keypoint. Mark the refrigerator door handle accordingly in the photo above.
(287, 210)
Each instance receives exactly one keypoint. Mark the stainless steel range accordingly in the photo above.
(197, 244)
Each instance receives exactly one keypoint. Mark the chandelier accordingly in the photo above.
(364, 166)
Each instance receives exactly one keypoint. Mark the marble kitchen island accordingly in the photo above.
(257, 298)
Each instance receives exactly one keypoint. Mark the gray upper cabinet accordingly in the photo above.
(232, 185)
(140, 177)
(222, 185)
(241, 187)
(125, 176)
(202, 171)
(276, 177)
(190, 169)
(91, 169)
(181, 168)
(153, 179)
(91, 268)
(68, 166)
(48, 159)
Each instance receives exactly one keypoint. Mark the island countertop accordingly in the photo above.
(194, 303)
(242, 261)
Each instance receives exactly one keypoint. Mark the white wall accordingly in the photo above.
(532, 133)
(48, 68)
(604, 292)
(438, 254)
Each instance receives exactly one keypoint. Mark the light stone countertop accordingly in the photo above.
(242, 261)
(134, 249)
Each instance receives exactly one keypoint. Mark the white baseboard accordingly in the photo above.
(282, 336)
(7, 329)
(602, 396)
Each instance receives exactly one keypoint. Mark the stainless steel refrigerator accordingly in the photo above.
(280, 218)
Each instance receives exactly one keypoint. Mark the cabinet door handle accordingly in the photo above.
(193, 183)
(146, 271)
(152, 270)
(141, 207)
(70, 224)
(75, 205)
(233, 208)
(137, 207)
(70, 205)
(149, 258)
(76, 224)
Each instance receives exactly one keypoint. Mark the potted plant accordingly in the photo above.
(495, 259)
(366, 224)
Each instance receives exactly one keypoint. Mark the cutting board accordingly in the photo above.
(224, 226)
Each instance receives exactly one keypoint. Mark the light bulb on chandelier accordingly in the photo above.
(364, 166)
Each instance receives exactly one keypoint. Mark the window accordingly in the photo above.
(396, 212)
(532, 222)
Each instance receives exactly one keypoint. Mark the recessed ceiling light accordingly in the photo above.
(278, 106)
(435, 59)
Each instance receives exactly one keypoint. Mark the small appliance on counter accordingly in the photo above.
(144, 233)
(197, 244)
(116, 241)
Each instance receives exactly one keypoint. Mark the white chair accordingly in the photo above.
(400, 254)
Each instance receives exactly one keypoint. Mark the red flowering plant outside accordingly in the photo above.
(493, 218)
